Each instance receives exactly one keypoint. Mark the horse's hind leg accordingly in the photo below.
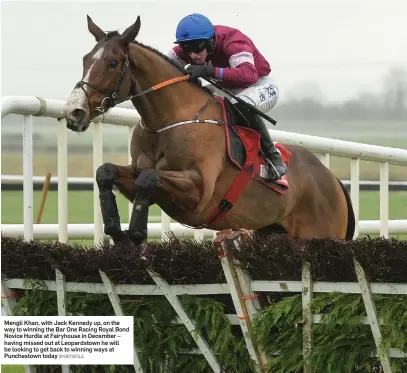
(122, 177)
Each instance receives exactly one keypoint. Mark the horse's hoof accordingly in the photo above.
(119, 238)
(113, 231)
(245, 232)
(225, 232)
(136, 237)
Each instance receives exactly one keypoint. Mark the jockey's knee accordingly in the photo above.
(262, 96)
(269, 104)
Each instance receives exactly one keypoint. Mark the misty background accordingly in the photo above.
(341, 67)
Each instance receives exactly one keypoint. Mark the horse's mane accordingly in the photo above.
(197, 82)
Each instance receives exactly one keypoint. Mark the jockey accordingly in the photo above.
(227, 55)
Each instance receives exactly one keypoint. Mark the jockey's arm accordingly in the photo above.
(176, 55)
(241, 72)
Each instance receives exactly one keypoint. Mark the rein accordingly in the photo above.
(112, 97)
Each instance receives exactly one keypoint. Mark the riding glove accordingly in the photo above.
(196, 71)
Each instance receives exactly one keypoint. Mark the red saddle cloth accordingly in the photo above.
(254, 167)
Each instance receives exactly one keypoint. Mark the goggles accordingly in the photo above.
(193, 46)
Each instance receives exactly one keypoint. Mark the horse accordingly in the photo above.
(179, 153)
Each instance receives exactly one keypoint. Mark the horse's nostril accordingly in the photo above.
(78, 114)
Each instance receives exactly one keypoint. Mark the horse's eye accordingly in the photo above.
(114, 64)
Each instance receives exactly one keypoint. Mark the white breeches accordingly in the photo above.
(263, 95)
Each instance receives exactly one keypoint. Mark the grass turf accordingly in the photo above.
(80, 207)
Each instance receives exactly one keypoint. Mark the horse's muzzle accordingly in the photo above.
(77, 115)
(76, 120)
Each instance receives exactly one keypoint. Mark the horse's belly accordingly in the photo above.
(174, 209)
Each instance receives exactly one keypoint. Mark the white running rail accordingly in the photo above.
(29, 106)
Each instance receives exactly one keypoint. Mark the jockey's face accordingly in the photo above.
(196, 50)
(199, 58)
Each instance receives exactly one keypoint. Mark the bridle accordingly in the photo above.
(112, 96)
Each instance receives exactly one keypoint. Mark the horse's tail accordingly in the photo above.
(350, 229)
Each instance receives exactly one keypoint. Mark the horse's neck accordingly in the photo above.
(173, 103)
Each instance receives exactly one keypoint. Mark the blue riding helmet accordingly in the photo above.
(193, 27)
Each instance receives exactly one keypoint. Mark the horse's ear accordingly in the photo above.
(131, 32)
(95, 30)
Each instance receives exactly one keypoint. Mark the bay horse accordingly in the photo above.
(180, 156)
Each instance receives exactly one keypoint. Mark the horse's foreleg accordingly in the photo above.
(184, 187)
(122, 177)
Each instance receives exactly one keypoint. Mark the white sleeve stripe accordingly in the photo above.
(239, 58)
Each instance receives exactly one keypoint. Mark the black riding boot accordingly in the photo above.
(276, 166)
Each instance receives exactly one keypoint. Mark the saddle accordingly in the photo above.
(243, 145)
(244, 152)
